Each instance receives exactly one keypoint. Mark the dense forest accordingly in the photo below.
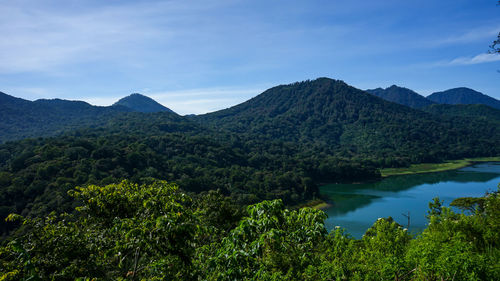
(154, 231)
(345, 121)
(36, 174)
(281, 144)
(94, 203)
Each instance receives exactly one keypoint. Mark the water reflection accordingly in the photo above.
(357, 206)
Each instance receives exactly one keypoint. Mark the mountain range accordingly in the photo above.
(21, 118)
(410, 98)
(322, 115)
(338, 117)
(280, 144)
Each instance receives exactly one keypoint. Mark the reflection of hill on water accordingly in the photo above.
(344, 202)
(349, 197)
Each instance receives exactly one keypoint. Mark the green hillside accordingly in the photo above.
(475, 111)
(21, 119)
(281, 144)
(332, 116)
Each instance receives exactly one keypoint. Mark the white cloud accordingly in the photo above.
(481, 58)
(42, 38)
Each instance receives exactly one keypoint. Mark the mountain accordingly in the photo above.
(341, 120)
(402, 96)
(463, 96)
(282, 144)
(140, 103)
(21, 118)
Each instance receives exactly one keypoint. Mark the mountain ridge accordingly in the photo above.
(341, 118)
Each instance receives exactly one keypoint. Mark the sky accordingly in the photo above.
(197, 56)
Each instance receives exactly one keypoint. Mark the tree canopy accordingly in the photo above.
(154, 231)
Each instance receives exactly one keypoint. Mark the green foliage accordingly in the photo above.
(469, 203)
(38, 174)
(125, 230)
(385, 244)
(271, 243)
(156, 232)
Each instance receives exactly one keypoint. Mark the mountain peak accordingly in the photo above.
(463, 95)
(141, 103)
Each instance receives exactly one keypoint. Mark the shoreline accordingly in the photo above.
(435, 167)
(422, 168)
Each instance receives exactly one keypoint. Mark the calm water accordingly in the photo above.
(357, 206)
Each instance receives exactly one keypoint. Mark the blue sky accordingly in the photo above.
(200, 55)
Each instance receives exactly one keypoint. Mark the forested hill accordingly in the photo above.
(140, 103)
(21, 118)
(474, 111)
(349, 122)
(463, 96)
(402, 96)
(280, 144)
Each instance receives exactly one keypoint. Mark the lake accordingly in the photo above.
(357, 206)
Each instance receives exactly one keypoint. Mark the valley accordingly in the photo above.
(273, 152)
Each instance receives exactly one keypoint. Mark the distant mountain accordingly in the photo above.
(140, 103)
(335, 117)
(463, 96)
(402, 96)
(21, 118)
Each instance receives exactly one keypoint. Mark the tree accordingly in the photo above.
(124, 230)
(494, 47)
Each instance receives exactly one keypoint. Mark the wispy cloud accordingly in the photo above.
(39, 40)
(471, 35)
(42, 37)
(478, 59)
